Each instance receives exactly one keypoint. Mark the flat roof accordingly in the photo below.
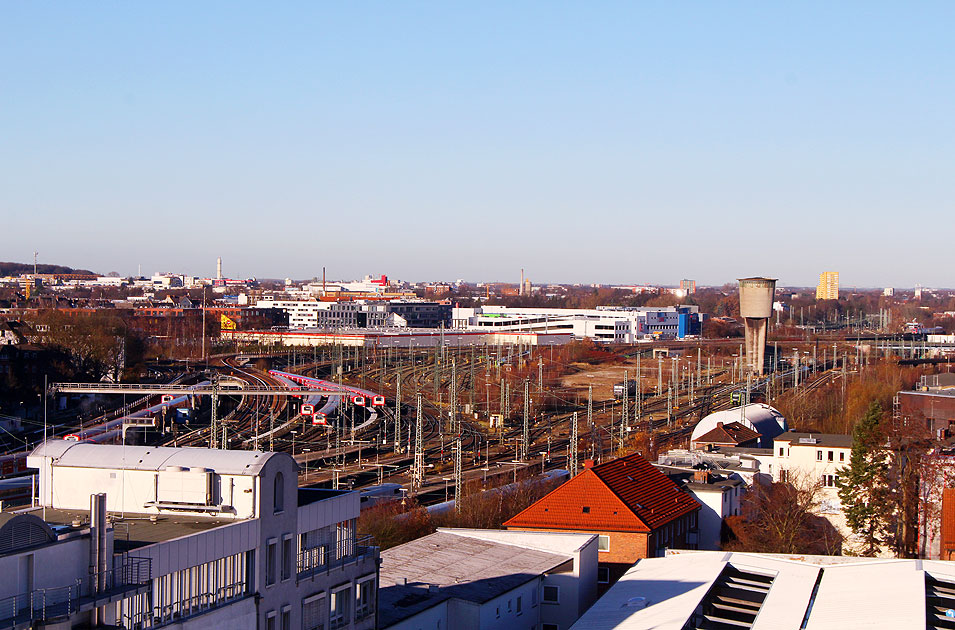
(823, 439)
(462, 567)
(120, 457)
(132, 531)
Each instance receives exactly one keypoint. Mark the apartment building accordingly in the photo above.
(229, 539)
(828, 287)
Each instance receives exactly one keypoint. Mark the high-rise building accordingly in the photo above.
(828, 288)
(688, 287)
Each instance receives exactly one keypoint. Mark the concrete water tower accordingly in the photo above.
(756, 307)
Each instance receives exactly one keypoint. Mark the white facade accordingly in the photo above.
(230, 539)
(616, 325)
(718, 500)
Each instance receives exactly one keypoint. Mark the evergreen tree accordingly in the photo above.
(863, 484)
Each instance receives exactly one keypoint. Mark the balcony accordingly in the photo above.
(45, 604)
(325, 558)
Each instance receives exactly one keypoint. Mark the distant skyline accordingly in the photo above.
(611, 143)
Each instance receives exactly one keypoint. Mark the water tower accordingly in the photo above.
(756, 307)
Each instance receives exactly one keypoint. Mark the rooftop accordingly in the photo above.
(834, 440)
(425, 572)
(133, 531)
(623, 494)
(729, 433)
(120, 457)
(811, 592)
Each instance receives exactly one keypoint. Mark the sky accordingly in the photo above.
(632, 142)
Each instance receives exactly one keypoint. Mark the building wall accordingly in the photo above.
(717, 504)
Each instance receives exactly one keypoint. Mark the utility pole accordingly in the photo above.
(573, 445)
(214, 419)
(526, 439)
(458, 475)
(454, 397)
(418, 475)
(590, 406)
(626, 403)
(398, 413)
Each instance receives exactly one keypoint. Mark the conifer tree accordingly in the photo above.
(863, 484)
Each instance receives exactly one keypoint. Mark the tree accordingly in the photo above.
(780, 518)
(863, 485)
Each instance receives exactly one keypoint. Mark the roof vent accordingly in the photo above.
(637, 602)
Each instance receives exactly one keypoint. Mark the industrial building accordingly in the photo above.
(305, 314)
(488, 580)
(608, 324)
(828, 287)
(215, 539)
(723, 590)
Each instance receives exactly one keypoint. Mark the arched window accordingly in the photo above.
(278, 493)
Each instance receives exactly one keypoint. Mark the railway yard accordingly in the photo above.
(482, 415)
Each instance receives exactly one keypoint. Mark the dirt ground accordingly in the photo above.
(603, 377)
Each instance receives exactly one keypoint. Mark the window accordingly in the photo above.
(509, 606)
(520, 602)
(278, 493)
(338, 607)
(497, 612)
(364, 597)
(830, 481)
(830, 456)
(842, 456)
(270, 621)
(603, 543)
(586, 509)
(781, 451)
(270, 563)
(818, 456)
(551, 595)
(603, 575)
(313, 612)
(287, 557)
(286, 618)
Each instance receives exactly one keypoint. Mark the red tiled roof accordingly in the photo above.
(730, 433)
(625, 494)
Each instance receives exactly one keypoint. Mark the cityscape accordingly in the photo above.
(537, 317)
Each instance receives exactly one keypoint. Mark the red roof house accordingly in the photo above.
(636, 509)
(728, 434)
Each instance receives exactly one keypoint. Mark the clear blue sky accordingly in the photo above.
(585, 142)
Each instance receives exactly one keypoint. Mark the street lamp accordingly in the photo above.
(294, 432)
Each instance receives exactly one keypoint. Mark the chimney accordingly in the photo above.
(701, 476)
(588, 463)
(219, 268)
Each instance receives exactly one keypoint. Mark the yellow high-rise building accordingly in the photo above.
(828, 288)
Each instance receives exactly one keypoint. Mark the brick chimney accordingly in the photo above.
(701, 476)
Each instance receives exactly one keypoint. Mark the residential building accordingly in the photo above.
(688, 287)
(719, 495)
(488, 580)
(229, 539)
(810, 458)
(636, 510)
(760, 418)
(723, 590)
(730, 434)
(828, 287)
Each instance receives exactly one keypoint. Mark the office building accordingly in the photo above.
(220, 539)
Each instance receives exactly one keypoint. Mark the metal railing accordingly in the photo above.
(313, 560)
(47, 603)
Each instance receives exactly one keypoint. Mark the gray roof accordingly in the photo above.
(834, 440)
(82, 455)
(460, 567)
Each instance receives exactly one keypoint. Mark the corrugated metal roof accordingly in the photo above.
(109, 456)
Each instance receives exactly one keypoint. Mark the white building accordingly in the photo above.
(228, 539)
(720, 590)
(811, 458)
(719, 496)
(488, 580)
(608, 324)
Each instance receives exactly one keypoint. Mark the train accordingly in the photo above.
(107, 431)
(17, 490)
(359, 397)
(383, 493)
(13, 464)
